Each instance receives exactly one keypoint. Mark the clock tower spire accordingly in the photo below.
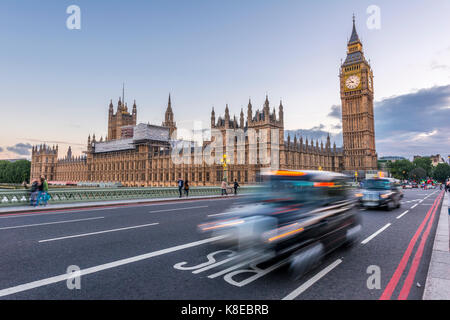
(356, 86)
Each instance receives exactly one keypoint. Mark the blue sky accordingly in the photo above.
(56, 83)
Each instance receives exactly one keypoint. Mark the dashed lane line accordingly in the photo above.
(110, 265)
(294, 294)
(402, 214)
(177, 209)
(375, 234)
(48, 223)
(98, 232)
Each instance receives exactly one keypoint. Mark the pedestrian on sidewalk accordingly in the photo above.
(186, 188)
(235, 186)
(40, 190)
(44, 196)
(224, 187)
(34, 192)
(180, 186)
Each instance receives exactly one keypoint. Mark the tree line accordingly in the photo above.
(420, 168)
(15, 172)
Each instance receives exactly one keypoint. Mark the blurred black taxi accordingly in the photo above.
(299, 214)
(380, 192)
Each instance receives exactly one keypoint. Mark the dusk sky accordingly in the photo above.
(56, 83)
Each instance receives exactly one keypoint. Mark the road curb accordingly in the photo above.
(437, 286)
(106, 204)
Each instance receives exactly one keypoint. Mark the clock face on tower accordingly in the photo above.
(352, 82)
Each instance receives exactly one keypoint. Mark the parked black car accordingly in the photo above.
(380, 192)
(297, 215)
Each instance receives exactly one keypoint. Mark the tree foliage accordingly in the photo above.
(425, 164)
(418, 173)
(441, 172)
(400, 169)
(420, 168)
(15, 172)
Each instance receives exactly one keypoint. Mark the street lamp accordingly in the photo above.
(224, 162)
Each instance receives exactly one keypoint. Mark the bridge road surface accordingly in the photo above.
(130, 252)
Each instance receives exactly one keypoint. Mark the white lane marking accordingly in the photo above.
(175, 209)
(402, 214)
(258, 273)
(375, 234)
(24, 214)
(311, 281)
(215, 264)
(218, 214)
(28, 215)
(98, 232)
(217, 274)
(63, 277)
(47, 223)
(410, 201)
(414, 206)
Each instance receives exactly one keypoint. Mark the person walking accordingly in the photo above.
(235, 186)
(44, 196)
(180, 186)
(186, 188)
(40, 190)
(34, 192)
(224, 187)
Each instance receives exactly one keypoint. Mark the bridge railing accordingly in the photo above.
(22, 197)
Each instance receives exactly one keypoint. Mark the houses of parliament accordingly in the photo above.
(140, 154)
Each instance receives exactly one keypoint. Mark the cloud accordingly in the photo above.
(54, 142)
(22, 149)
(315, 133)
(415, 123)
(335, 112)
(337, 126)
(439, 66)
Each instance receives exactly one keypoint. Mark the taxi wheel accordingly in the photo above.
(390, 205)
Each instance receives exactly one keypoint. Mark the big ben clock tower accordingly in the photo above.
(356, 80)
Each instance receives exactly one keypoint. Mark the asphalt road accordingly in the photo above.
(137, 252)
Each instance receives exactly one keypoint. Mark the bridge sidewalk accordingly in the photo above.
(79, 205)
(437, 286)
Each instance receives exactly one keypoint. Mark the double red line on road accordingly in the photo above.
(388, 291)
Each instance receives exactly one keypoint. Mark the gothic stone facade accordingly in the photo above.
(145, 159)
(140, 155)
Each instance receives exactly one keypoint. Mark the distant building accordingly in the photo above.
(391, 158)
(140, 154)
(435, 159)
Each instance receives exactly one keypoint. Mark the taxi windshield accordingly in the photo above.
(278, 190)
(377, 184)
